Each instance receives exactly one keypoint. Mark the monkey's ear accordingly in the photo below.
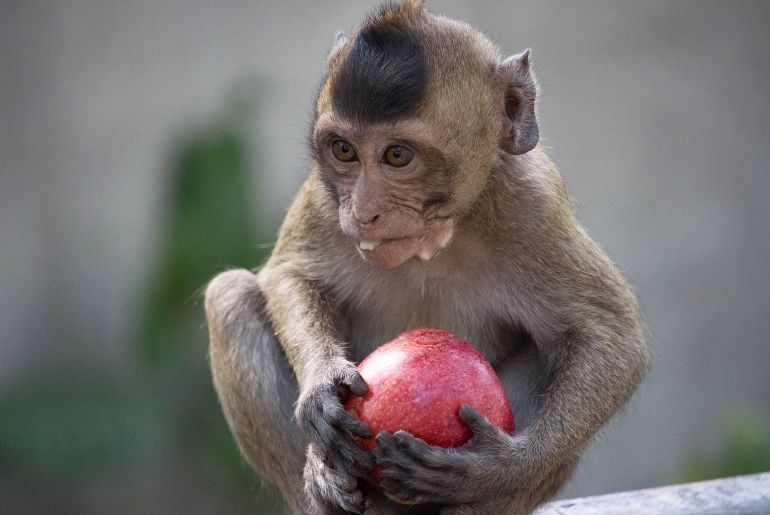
(339, 41)
(520, 132)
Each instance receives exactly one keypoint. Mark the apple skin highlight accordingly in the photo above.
(418, 382)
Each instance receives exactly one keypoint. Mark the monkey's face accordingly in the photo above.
(409, 123)
(392, 186)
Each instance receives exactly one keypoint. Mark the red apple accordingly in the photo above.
(418, 382)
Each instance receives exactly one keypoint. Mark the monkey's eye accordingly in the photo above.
(343, 151)
(396, 155)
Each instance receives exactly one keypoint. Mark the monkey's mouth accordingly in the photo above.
(393, 244)
(390, 253)
(369, 245)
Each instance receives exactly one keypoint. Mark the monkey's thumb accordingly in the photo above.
(357, 384)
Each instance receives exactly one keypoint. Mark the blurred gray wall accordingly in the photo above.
(657, 112)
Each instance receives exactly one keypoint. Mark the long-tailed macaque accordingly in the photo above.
(428, 202)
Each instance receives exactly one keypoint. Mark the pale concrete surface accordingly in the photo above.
(740, 495)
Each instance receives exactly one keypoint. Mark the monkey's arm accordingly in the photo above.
(300, 314)
(306, 329)
(585, 322)
(303, 322)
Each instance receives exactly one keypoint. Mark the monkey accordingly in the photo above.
(429, 201)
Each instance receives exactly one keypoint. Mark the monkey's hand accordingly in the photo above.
(334, 460)
(485, 467)
(331, 491)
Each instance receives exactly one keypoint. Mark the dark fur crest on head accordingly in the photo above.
(384, 76)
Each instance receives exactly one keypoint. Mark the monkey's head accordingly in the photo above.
(409, 122)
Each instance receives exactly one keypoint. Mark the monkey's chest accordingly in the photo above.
(380, 316)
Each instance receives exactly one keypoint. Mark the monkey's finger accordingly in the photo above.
(400, 464)
(321, 432)
(347, 455)
(424, 484)
(334, 415)
(386, 453)
(391, 458)
(351, 501)
(354, 426)
(383, 459)
(385, 442)
(357, 497)
(347, 482)
(360, 464)
(417, 449)
(360, 472)
(313, 417)
(358, 386)
(339, 479)
(425, 481)
(355, 462)
(399, 490)
(339, 451)
(477, 422)
(332, 499)
(333, 489)
(385, 438)
(408, 442)
(329, 421)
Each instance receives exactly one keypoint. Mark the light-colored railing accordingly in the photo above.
(740, 495)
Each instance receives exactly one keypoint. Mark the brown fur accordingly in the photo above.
(519, 278)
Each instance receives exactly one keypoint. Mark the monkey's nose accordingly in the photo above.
(363, 217)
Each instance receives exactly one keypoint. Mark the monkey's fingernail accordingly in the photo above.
(369, 245)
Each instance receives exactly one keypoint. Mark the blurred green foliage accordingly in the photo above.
(165, 413)
(744, 449)
(78, 430)
(209, 228)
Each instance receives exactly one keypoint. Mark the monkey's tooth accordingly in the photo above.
(427, 254)
(369, 245)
